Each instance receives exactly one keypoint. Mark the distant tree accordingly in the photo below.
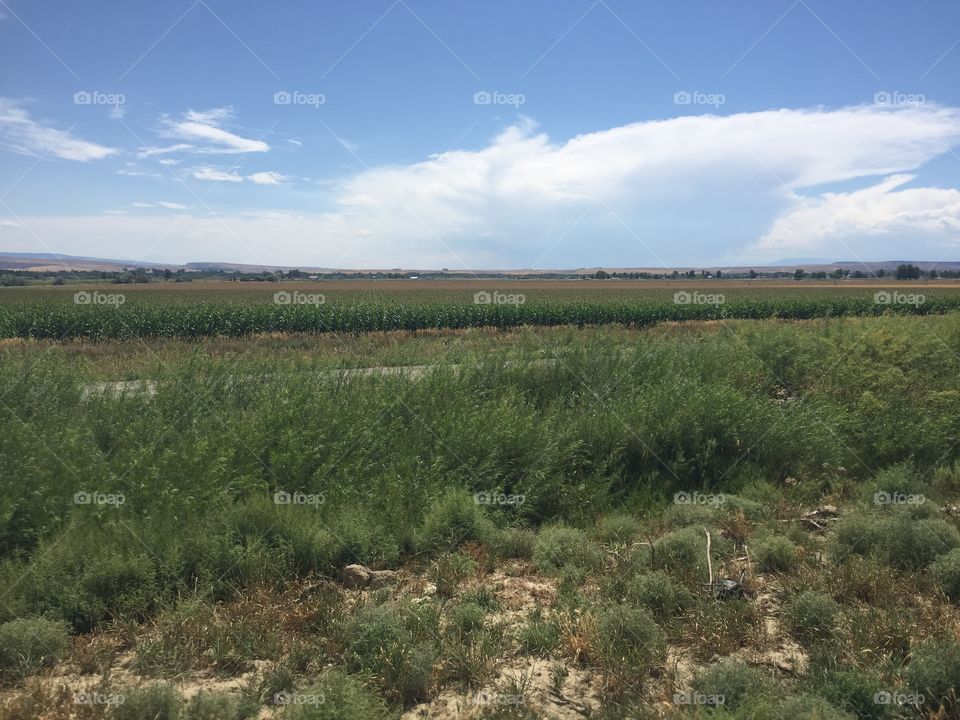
(601, 275)
(58, 280)
(881, 273)
(719, 273)
(799, 273)
(858, 274)
(932, 274)
(753, 274)
(907, 272)
(167, 274)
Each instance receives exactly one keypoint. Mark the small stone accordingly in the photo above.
(379, 578)
(356, 577)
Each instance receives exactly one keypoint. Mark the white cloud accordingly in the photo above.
(20, 133)
(880, 209)
(9, 224)
(171, 205)
(687, 189)
(266, 178)
(205, 127)
(214, 175)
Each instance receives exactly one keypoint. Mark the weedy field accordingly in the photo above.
(738, 518)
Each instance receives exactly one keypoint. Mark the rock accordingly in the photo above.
(379, 578)
(356, 577)
(430, 590)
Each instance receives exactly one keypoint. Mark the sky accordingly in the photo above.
(491, 134)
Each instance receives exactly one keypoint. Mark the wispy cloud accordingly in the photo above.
(267, 177)
(203, 133)
(21, 133)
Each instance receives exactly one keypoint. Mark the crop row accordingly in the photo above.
(56, 320)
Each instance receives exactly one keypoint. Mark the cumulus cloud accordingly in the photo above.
(21, 133)
(704, 189)
(880, 209)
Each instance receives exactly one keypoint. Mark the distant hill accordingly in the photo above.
(52, 262)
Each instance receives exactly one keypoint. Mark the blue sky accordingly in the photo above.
(490, 134)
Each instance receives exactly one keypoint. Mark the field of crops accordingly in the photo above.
(53, 313)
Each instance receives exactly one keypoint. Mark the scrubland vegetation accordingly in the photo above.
(537, 531)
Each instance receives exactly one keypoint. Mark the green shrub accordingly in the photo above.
(27, 644)
(850, 690)
(813, 617)
(156, 702)
(514, 543)
(934, 670)
(219, 706)
(732, 681)
(809, 707)
(397, 644)
(946, 573)
(897, 538)
(659, 593)
(539, 636)
(559, 548)
(466, 617)
(453, 519)
(775, 554)
(629, 641)
(684, 552)
(617, 529)
(449, 570)
(339, 697)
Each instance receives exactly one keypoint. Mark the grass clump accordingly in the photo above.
(898, 539)
(466, 617)
(730, 682)
(934, 672)
(851, 690)
(449, 570)
(339, 697)
(397, 645)
(539, 636)
(775, 554)
(659, 593)
(629, 641)
(684, 552)
(156, 702)
(946, 573)
(515, 543)
(813, 617)
(219, 706)
(28, 644)
(617, 529)
(453, 519)
(559, 548)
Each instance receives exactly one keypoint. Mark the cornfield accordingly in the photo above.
(49, 319)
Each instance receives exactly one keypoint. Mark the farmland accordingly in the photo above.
(531, 516)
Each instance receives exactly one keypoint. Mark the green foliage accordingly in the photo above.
(538, 636)
(466, 617)
(851, 690)
(397, 645)
(560, 548)
(453, 519)
(629, 642)
(617, 529)
(813, 617)
(27, 644)
(339, 697)
(775, 553)
(897, 538)
(946, 572)
(732, 681)
(659, 593)
(157, 702)
(449, 570)
(933, 671)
